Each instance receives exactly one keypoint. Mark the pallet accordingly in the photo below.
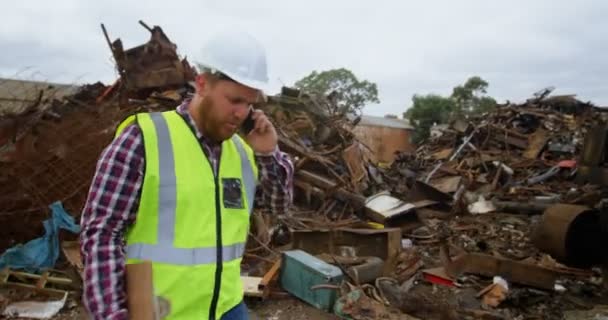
(49, 282)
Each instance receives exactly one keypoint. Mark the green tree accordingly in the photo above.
(470, 98)
(466, 100)
(427, 111)
(349, 93)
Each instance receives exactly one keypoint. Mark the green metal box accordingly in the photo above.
(300, 271)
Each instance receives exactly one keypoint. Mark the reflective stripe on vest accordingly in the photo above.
(164, 251)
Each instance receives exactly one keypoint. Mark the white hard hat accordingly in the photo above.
(239, 56)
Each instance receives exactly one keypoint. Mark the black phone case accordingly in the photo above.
(248, 124)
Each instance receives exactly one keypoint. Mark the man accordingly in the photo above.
(177, 188)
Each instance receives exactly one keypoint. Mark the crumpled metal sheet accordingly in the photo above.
(34, 309)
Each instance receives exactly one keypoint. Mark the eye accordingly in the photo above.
(240, 102)
(234, 100)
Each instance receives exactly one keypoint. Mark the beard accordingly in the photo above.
(214, 126)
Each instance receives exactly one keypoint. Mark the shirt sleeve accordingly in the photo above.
(275, 191)
(110, 207)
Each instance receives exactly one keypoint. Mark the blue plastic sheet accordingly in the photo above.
(41, 253)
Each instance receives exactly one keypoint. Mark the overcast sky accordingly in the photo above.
(406, 47)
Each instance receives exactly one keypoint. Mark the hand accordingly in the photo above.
(263, 138)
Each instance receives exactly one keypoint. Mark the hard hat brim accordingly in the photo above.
(263, 86)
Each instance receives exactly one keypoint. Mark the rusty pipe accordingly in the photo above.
(571, 234)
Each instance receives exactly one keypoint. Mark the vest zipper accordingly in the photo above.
(218, 228)
(218, 234)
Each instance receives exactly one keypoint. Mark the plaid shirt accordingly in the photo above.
(112, 205)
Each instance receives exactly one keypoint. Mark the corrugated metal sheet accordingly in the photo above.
(374, 121)
(17, 95)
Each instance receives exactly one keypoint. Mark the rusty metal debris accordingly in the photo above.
(489, 266)
(154, 64)
(382, 243)
(571, 234)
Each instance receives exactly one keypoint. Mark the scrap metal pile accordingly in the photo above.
(525, 155)
(492, 216)
(474, 224)
(527, 185)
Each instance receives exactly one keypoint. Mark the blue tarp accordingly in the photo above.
(41, 253)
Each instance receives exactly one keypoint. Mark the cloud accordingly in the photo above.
(409, 47)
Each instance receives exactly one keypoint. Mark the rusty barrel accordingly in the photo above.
(571, 234)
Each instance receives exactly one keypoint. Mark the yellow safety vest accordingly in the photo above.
(191, 224)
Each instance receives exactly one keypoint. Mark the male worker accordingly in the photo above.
(177, 189)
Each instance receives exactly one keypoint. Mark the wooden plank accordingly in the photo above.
(443, 154)
(321, 182)
(354, 161)
(71, 251)
(447, 184)
(41, 283)
(269, 276)
(383, 243)
(537, 142)
(4, 274)
(35, 282)
(30, 276)
(513, 141)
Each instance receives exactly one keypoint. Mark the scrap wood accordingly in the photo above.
(262, 244)
(443, 154)
(538, 140)
(261, 228)
(302, 151)
(336, 148)
(447, 184)
(49, 282)
(271, 275)
(323, 183)
(353, 157)
(305, 223)
(447, 169)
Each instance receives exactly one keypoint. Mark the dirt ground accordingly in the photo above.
(272, 309)
(285, 308)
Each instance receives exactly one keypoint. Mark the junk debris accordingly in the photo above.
(155, 64)
(41, 253)
(517, 193)
(34, 309)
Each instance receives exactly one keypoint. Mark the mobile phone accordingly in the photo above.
(248, 124)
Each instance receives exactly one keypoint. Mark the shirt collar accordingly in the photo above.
(182, 110)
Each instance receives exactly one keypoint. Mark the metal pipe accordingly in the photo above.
(571, 234)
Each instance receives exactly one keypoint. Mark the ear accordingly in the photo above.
(202, 84)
